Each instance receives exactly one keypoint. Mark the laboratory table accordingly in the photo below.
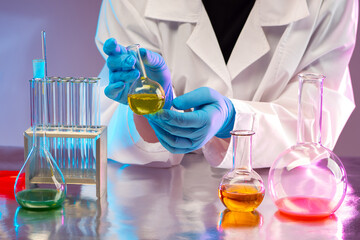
(173, 203)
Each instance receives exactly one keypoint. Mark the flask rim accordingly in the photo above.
(136, 45)
(242, 132)
(314, 77)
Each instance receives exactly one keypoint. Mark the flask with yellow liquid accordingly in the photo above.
(145, 95)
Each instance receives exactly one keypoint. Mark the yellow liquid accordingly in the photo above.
(145, 103)
(241, 198)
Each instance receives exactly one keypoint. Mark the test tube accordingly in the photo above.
(52, 117)
(95, 82)
(35, 102)
(35, 87)
(61, 114)
(38, 103)
(36, 106)
(78, 104)
(74, 121)
(88, 112)
(65, 122)
(51, 94)
(32, 102)
(64, 106)
(97, 122)
(78, 120)
(93, 117)
(82, 118)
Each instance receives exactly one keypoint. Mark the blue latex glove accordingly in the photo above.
(122, 73)
(183, 132)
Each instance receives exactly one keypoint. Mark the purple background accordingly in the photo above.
(70, 30)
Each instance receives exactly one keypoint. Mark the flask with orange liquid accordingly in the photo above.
(241, 189)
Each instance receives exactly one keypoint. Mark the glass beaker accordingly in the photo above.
(308, 180)
(44, 183)
(241, 189)
(145, 95)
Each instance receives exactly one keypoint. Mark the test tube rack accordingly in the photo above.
(79, 174)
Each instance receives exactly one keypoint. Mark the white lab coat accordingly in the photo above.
(280, 39)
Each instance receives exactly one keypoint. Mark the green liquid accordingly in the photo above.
(40, 198)
(145, 103)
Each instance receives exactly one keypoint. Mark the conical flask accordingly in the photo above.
(145, 95)
(241, 189)
(308, 180)
(44, 183)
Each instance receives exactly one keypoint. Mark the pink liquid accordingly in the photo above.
(306, 207)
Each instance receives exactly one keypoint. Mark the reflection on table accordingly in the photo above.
(174, 203)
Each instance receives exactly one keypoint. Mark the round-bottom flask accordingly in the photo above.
(145, 95)
(241, 189)
(308, 180)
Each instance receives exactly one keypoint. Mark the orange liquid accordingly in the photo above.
(241, 198)
(309, 207)
(231, 219)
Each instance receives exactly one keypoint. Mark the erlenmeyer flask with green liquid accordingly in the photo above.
(40, 183)
(145, 95)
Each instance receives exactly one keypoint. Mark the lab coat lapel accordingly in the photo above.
(250, 45)
(202, 40)
(174, 10)
(252, 42)
(281, 12)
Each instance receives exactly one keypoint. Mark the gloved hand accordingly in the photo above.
(122, 72)
(183, 132)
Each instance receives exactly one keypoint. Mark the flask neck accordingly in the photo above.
(310, 108)
(39, 137)
(134, 50)
(38, 111)
(242, 150)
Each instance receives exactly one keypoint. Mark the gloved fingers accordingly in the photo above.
(165, 117)
(121, 62)
(175, 150)
(173, 146)
(152, 60)
(124, 76)
(196, 98)
(177, 131)
(190, 133)
(111, 47)
(170, 139)
(115, 91)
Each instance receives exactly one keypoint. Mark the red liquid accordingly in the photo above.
(7, 180)
(308, 207)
